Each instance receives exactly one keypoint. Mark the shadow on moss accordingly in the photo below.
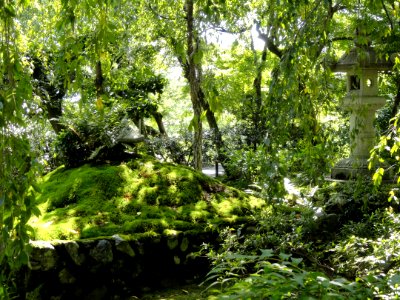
(137, 197)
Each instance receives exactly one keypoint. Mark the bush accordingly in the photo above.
(89, 140)
(279, 276)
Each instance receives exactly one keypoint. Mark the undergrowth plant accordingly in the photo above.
(338, 243)
(278, 276)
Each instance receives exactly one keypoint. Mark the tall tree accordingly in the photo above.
(184, 27)
(177, 26)
(193, 73)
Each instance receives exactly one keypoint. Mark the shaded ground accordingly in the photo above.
(187, 292)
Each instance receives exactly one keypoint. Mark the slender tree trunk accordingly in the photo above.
(99, 84)
(158, 118)
(50, 93)
(217, 135)
(194, 83)
(259, 121)
(54, 113)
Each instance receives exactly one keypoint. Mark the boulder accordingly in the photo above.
(123, 245)
(102, 252)
(43, 256)
(72, 248)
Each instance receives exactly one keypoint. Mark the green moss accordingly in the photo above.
(140, 198)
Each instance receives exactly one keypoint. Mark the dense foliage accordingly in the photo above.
(338, 242)
(244, 83)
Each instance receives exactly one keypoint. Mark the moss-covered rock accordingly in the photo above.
(139, 198)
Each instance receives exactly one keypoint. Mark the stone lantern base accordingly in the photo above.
(349, 168)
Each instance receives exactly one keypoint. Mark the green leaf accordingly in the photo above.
(299, 278)
(284, 256)
(9, 10)
(296, 261)
(377, 177)
(36, 211)
(198, 56)
(23, 258)
(394, 280)
(266, 253)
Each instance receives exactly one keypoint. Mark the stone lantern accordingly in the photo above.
(361, 66)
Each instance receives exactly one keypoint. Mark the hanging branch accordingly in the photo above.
(387, 15)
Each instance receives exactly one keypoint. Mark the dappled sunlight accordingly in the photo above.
(256, 202)
(137, 197)
(226, 207)
(172, 176)
(57, 229)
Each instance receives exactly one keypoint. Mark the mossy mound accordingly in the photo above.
(141, 197)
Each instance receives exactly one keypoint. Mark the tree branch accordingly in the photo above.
(387, 15)
(341, 38)
(268, 39)
(223, 30)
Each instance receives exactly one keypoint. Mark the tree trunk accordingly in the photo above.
(194, 83)
(158, 118)
(54, 113)
(396, 102)
(217, 135)
(51, 94)
(99, 85)
(259, 121)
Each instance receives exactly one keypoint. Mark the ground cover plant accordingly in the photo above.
(339, 243)
(142, 196)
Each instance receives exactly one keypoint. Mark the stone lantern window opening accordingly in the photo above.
(354, 82)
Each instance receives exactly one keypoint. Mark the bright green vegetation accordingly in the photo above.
(256, 92)
(142, 196)
(349, 252)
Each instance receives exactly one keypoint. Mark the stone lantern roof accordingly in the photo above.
(364, 58)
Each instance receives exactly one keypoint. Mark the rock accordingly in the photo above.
(328, 222)
(129, 134)
(184, 244)
(98, 293)
(102, 252)
(43, 256)
(123, 246)
(66, 277)
(172, 242)
(73, 251)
